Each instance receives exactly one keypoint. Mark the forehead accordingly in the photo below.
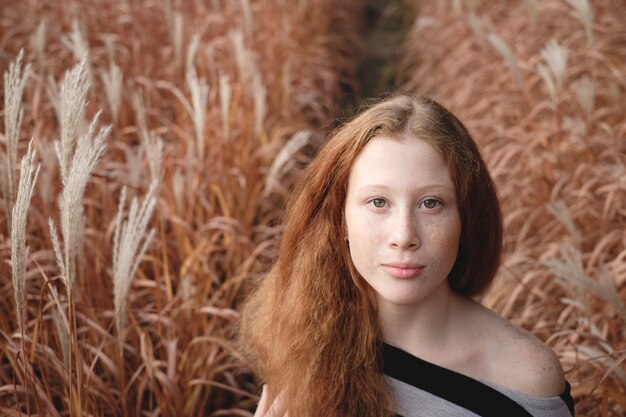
(404, 162)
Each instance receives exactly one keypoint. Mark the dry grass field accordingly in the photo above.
(129, 258)
(147, 147)
(542, 87)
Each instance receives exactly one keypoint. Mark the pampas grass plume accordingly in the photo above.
(28, 178)
(129, 245)
(14, 83)
(73, 100)
(89, 148)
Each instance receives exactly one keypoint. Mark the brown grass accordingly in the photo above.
(218, 102)
(202, 96)
(542, 87)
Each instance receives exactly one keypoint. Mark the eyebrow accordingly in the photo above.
(386, 187)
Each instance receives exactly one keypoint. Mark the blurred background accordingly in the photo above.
(148, 146)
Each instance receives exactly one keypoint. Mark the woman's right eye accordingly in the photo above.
(378, 202)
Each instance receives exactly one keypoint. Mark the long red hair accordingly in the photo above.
(311, 327)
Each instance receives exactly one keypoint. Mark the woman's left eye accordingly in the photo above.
(430, 203)
(378, 202)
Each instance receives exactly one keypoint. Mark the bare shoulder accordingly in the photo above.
(517, 359)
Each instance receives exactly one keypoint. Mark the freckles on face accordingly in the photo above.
(402, 219)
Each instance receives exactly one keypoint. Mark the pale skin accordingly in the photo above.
(403, 227)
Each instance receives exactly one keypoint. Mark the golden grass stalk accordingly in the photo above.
(113, 83)
(81, 163)
(129, 245)
(225, 97)
(199, 99)
(78, 44)
(584, 13)
(553, 73)
(28, 178)
(192, 52)
(38, 43)
(586, 96)
(153, 145)
(61, 324)
(281, 163)
(72, 103)
(259, 96)
(555, 57)
(504, 50)
(177, 35)
(571, 269)
(247, 14)
(14, 83)
(245, 63)
(532, 7)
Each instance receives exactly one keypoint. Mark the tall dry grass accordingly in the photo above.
(181, 108)
(541, 84)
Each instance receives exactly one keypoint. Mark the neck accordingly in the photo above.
(422, 329)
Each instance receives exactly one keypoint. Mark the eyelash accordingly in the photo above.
(437, 201)
(371, 201)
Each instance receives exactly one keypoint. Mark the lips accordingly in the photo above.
(403, 270)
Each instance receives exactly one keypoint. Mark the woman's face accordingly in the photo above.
(402, 219)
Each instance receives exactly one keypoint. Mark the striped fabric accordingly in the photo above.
(423, 389)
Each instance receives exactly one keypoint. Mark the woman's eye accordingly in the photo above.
(378, 202)
(431, 203)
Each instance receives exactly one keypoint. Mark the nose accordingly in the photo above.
(404, 233)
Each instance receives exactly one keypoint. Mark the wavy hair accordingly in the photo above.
(310, 327)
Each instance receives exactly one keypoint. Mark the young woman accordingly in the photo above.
(368, 310)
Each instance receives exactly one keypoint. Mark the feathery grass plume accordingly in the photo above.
(38, 43)
(192, 51)
(28, 178)
(281, 162)
(14, 83)
(247, 14)
(545, 75)
(498, 43)
(89, 148)
(555, 56)
(78, 44)
(245, 64)
(570, 269)
(54, 97)
(72, 103)
(259, 94)
(129, 245)
(153, 145)
(585, 15)
(562, 213)
(61, 324)
(586, 96)
(480, 26)
(199, 98)
(532, 7)
(225, 97)
(178, 38)
(112, 82)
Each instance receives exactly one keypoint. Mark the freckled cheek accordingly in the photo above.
(443, 234)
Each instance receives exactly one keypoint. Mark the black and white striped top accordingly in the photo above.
(423, 389)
